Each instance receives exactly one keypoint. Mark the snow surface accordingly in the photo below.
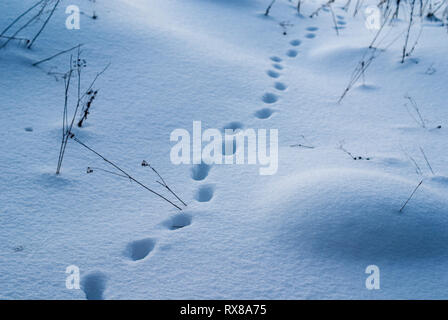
(307, 232)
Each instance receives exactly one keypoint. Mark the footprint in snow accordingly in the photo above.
(312, 29)
(310, 35)
(234, 125)
(280, 86)
(264, 113)
(292, 53)
(273, 74)
(269, 98)
(233, 128)
(178, 221)
(94, 285)
(139, 249)
(295, 42)
(200, 171)
(277, 66)
(205, 193)
(276, 59)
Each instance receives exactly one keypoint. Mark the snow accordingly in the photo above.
(307, 232)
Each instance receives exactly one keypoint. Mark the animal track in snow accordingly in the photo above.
(178, 221)
(276, 59)
(204, 193)
(310, 35)
(264, 113)
(94, 285)
(273, 74)
(312, 29)
(234, 125)
(277, 66)
(269, 98)
(139, 249)
(280, 86)
(340, 25)
(200, 171)
(295, 42)
(292, 53)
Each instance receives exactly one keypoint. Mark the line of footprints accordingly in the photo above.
(275, 73)
(94, 284)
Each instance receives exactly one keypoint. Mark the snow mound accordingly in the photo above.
(441, 180)
(337, 55)
(352, 214)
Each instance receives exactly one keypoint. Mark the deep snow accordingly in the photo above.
(308, 231)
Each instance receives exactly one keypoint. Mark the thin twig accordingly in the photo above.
(301, 145)
(44, 25)
(363, 64)
(410, 197)
(91, 169)
(347, 152)
(94, 80)
(72, 136)
(409, 53)
(417, 167)
(20, 17)
(315, 13)
(334, 20)
(409, 30)
(15, 38)
(269, 8)
(57, 55)
(163, 183)
(417, 110)
(67, 79)
(357, 6)
(24, 26)
(86, 110)
(427, 161)
(69, 128)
